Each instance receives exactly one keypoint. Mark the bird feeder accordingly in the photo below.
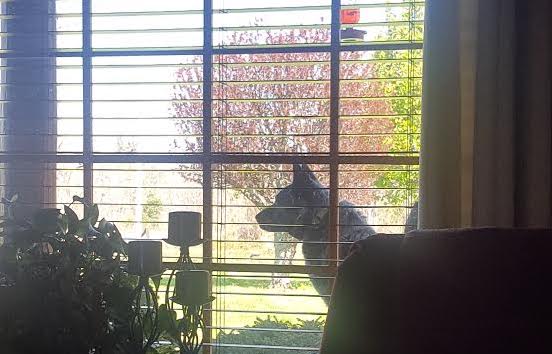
(349, 17)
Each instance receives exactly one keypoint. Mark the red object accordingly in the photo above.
(350, 16)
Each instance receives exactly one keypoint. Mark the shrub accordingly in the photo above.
(62, 289)
(304, 333)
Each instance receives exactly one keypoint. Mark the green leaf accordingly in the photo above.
(92, 213)
(62, 226)
(82, 228)
(115, 245)
(102, 225)
(78, 199)
(73, 219)
(117, 234)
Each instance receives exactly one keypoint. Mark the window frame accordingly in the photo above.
(206, 158)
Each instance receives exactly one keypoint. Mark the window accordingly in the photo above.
(147, 107)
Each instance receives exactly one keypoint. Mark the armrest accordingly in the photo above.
(362, 310)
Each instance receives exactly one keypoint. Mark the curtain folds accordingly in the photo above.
(29, 107)
(487, 116)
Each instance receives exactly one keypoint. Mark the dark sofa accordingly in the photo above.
(461, 291)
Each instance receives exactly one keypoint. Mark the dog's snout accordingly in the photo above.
(259, 217)
(264, 220)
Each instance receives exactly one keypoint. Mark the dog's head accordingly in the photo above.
(300, 206)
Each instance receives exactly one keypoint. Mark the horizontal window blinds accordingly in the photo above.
(148, 107)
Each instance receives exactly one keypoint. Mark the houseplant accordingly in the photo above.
(62, 289)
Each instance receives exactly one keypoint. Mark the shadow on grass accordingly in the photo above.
(250, 283)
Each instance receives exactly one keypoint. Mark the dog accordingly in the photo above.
(301, 210)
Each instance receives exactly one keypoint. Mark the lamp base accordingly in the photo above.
(144, 331)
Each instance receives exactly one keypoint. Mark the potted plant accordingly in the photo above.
(62, 289)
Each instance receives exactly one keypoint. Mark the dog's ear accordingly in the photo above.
(303, 175)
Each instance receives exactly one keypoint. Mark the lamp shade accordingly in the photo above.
(145, 258)
(193, 287)
(184, 228)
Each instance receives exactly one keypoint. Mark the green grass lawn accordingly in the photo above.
(254, 302)
(235, 296)
(299, 326)
(266, 302)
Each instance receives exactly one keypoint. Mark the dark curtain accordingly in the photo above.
(30, 126)
(487, 114)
